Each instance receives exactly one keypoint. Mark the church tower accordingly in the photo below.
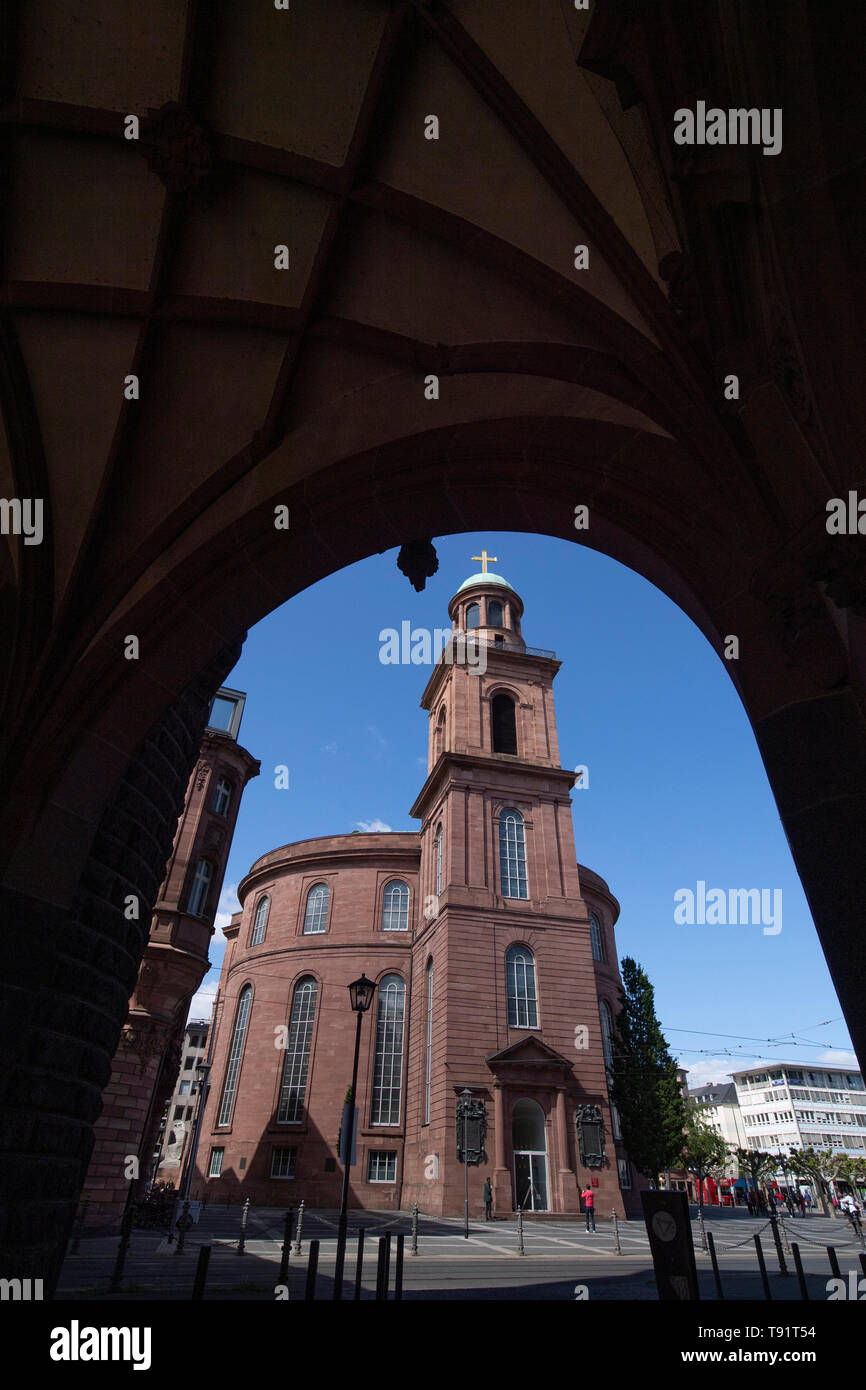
(515, 983)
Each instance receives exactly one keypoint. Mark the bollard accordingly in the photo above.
(184, 1221)
(283, 1276)
(125, 1234)
(834, 1263)
(616, 1232)
(702, 1230)
(312, 1268)
(415, 1229)
(862, 1258)
(520, 1249)
(359, 1264)
(764, 1280)
(80, 1227)
(780, 1255)
(716, 1275)
(381, 1287)
(297, 1248)
(398, 1268)
(795, 1251)
(784, 1231)
(387, 1261)
(201, 1272)
(243, 1235)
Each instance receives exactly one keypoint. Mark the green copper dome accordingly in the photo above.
(487, 578)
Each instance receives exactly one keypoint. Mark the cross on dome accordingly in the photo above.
(484, 557)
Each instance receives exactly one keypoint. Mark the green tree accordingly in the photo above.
(643, 1079)
(704, 1152)
(819, 1166)
(756, 1164)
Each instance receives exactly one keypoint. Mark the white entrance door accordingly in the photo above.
(529, 1148)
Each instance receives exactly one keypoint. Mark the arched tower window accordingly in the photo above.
(316, 915)
(439, 861)
(473, 616)
(230, 1085)
(439, 741)
(395, 906)
(494, 613)
(520, 983)
(606, 1032)
(222, 797)
(261, 921)
(388, 1064)
(428, 1064)
(596, 937)
(293, 1089)
(512, 855)
(198, 894)
(504, 724)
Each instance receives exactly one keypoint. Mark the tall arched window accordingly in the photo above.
(473, 616)
(293, 1089)
(494, 613)
(230, 1085)
(606, 1032)
(503, 724)
(316, 915)
(439, 743)
(388, 1064)
(520, 982)
(222, 797)
(198, 895)
(261, 921)
(395, 906)
(596, 937)
(512, 855)
(439, 861)
(428, 1065)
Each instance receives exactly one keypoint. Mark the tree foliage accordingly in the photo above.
(643, 1076)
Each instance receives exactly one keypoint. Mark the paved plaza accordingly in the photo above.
(559, 1257)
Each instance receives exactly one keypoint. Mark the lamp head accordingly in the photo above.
(361, 994)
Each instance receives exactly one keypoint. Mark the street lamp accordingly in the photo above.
(361, 997)
(202, 1071)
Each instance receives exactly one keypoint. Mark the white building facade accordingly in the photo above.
(794, 1106)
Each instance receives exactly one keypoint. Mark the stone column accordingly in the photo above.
(569, 1196)
(502, 1196)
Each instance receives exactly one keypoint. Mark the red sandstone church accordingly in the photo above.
(494, 958)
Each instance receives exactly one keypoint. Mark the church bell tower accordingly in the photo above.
(506, 985)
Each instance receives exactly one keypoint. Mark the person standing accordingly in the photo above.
(488, 1200)
(589, 1205)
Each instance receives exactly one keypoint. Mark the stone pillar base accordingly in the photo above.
(503, 1197)
(568, 1191)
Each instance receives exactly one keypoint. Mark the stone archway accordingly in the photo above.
(166, 387)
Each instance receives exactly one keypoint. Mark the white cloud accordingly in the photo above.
(330, 748)
(201, 1004)
(370, 826)
(838, 1057)
(422, 762)
(710, 1071)
(228, 903)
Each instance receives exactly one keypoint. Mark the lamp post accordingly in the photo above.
(202, 1071)
(361, 997)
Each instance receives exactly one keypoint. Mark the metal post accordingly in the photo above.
(125, 1234)
(80, 1227)
(784, 1231)
(343, 1227)
(359, 1265)
(801, 1278)
(780, 1254)
(184, 1221)
(616, 1233)
(297, 1249)
(765, 1281)
(312, 1268)
(415, 1229)
(380, 1271)
(716, 1275)
(398, 1268)
(520, 1249)
(243, 1235)
(201, 1272)
(701, 1227)
(387, 1261)
(283, 1275)
(862, 1258)
(834, 1263)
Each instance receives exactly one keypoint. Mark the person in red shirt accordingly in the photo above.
(589, 1205)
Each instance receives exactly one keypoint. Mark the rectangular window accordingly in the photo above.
(178, 1112)
(624, 1172)
(184, 1088)
(187, 1063)
(382, 1167)
(283, 1162)
(216, 1163)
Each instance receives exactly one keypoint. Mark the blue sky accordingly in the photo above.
(677, 790)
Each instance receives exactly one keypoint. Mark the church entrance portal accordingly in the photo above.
(529, 1147)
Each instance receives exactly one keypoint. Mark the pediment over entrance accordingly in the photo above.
(527, 1052)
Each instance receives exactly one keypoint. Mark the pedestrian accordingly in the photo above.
(488, 1200)
(589, 1205)
(749, 1203)
(808, 1199)
(802, 1201)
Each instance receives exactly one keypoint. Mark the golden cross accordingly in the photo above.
(484, 557)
